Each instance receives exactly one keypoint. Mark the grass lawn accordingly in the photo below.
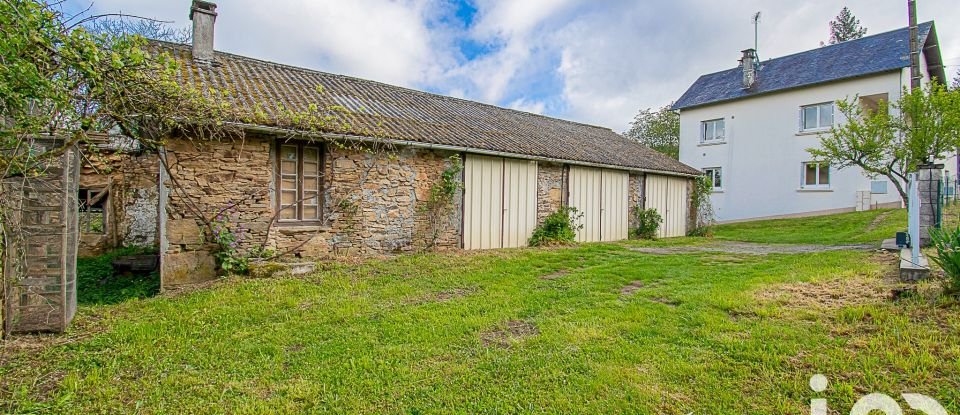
(596, 328)
(870, 227)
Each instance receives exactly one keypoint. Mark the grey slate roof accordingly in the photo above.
(869, 55)
(409, 115)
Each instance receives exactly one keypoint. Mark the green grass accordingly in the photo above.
(870, 227)
(98, 283)
(425, 334)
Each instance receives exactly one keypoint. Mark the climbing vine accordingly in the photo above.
(440, 202)
(702, 208)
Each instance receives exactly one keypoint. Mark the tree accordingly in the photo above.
(659, 130)
(147, 28)
(893, 139)
(845, 27)
(956, 80)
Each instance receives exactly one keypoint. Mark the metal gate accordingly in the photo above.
(668, 195)
(500, 202)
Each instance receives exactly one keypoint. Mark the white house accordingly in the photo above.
(749, 127)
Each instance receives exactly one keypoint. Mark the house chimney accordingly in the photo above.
(203, 14)
(749, 65)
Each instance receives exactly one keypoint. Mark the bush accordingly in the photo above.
(557, 229)
(648, 221)
(947, 244)
(97, 283)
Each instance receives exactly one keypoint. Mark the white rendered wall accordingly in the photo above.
(762, 155)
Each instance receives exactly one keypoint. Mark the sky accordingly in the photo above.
(591, 61)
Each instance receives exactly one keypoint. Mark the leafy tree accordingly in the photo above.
(659, 130)
(892, 140)
(845, 27)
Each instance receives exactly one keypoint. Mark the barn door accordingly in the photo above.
(584, 189)
(668, 195)
(614, 205)
(601, 197)
(500, 202)
(519, 202)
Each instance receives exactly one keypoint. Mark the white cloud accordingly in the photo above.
(591, 61)
(535, 107)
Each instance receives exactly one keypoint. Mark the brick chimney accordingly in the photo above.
(749, 65)
(204, 15)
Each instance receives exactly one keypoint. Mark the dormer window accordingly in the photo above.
(712, 131)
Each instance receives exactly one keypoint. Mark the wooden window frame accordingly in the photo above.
(85, 205)
(278, 180)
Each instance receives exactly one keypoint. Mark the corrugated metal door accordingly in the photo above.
(500, 202)
(585, 191)
(519, 202)
(614, 205)
(668, 195)
(483, 202)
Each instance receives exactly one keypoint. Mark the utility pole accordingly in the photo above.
(914, 45)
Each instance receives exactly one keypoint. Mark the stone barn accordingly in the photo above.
(309, 193)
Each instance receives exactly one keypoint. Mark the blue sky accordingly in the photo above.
(593, 61)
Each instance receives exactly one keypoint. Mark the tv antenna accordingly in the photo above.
(756, 35)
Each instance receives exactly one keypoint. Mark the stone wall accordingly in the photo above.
(634, 197)
(373, 203)
(131, 181)
(551, 189)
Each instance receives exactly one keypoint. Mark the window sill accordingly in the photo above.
(296, 228)
(717, 143)
(717, 191)
(813, 132)
(814, 190)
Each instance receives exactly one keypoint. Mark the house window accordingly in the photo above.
(716, 177)
(300, 181)
(816, 175)
(93, 216)
(873, 103)
(816, 117)
(712, 131)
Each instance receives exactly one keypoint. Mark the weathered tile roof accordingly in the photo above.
(410, 115)
(869, 55)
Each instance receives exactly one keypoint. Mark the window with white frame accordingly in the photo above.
(816, 175)
(715, 175)
(816, 117)
(712, 131)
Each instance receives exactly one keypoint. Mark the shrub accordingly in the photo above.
(648, 221)
(947, 245)
(557, 229)
(98, 283)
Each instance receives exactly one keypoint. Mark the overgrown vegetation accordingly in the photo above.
(559, 228)
(700, 201)
(440, 203)
(99, 283)
(946, 243)
(648, 222)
